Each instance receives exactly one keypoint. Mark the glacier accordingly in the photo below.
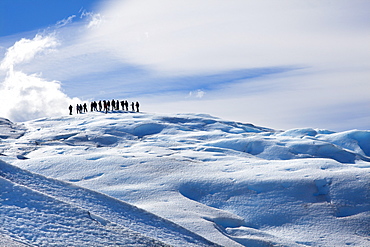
(145, 179)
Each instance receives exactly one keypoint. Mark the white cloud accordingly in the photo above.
(25, 49)
(94, 19)
(65, 22)
(25, 97)
(197, 94)
(205, 36)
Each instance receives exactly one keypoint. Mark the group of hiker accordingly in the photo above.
(105, 106)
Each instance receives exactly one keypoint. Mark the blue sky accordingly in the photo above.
(17, 16)
(285, 64)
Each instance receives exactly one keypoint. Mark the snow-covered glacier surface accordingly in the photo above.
(144, 179)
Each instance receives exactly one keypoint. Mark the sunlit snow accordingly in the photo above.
(145, 179)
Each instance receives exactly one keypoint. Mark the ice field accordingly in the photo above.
(141, 179)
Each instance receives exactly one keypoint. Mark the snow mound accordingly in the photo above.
(345, 147)
(234, 184)
(43, 212)
(355, 140)
(302, 143)
(9, 129)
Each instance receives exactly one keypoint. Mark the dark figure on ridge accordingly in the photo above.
(137, 106)
(123, 105)
(126, 104)
(85, 107)
(70, 109)
(133, 106)
(113, 104)
(79, 108)
(108, 105)
(105, 106)
(100, 105)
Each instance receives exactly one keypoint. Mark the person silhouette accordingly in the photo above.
(123, 105)
(137, 106)
(105, 106)
(113, 104)
(78, 108)
(70, 109)
(133, 106)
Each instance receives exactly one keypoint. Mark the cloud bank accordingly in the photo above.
(280, 64)
(29, 96)
(326, 39)
(207, 36)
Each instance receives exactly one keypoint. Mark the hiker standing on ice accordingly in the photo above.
(126, 104)
(70, 109)
(105, 106)
(123, 105)
(133, 106)
(137, 106)
(85, 107)
(113, 104)
(100, 105)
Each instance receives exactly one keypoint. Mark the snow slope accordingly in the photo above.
(231, 183)
(37, 218)
(69, 215)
